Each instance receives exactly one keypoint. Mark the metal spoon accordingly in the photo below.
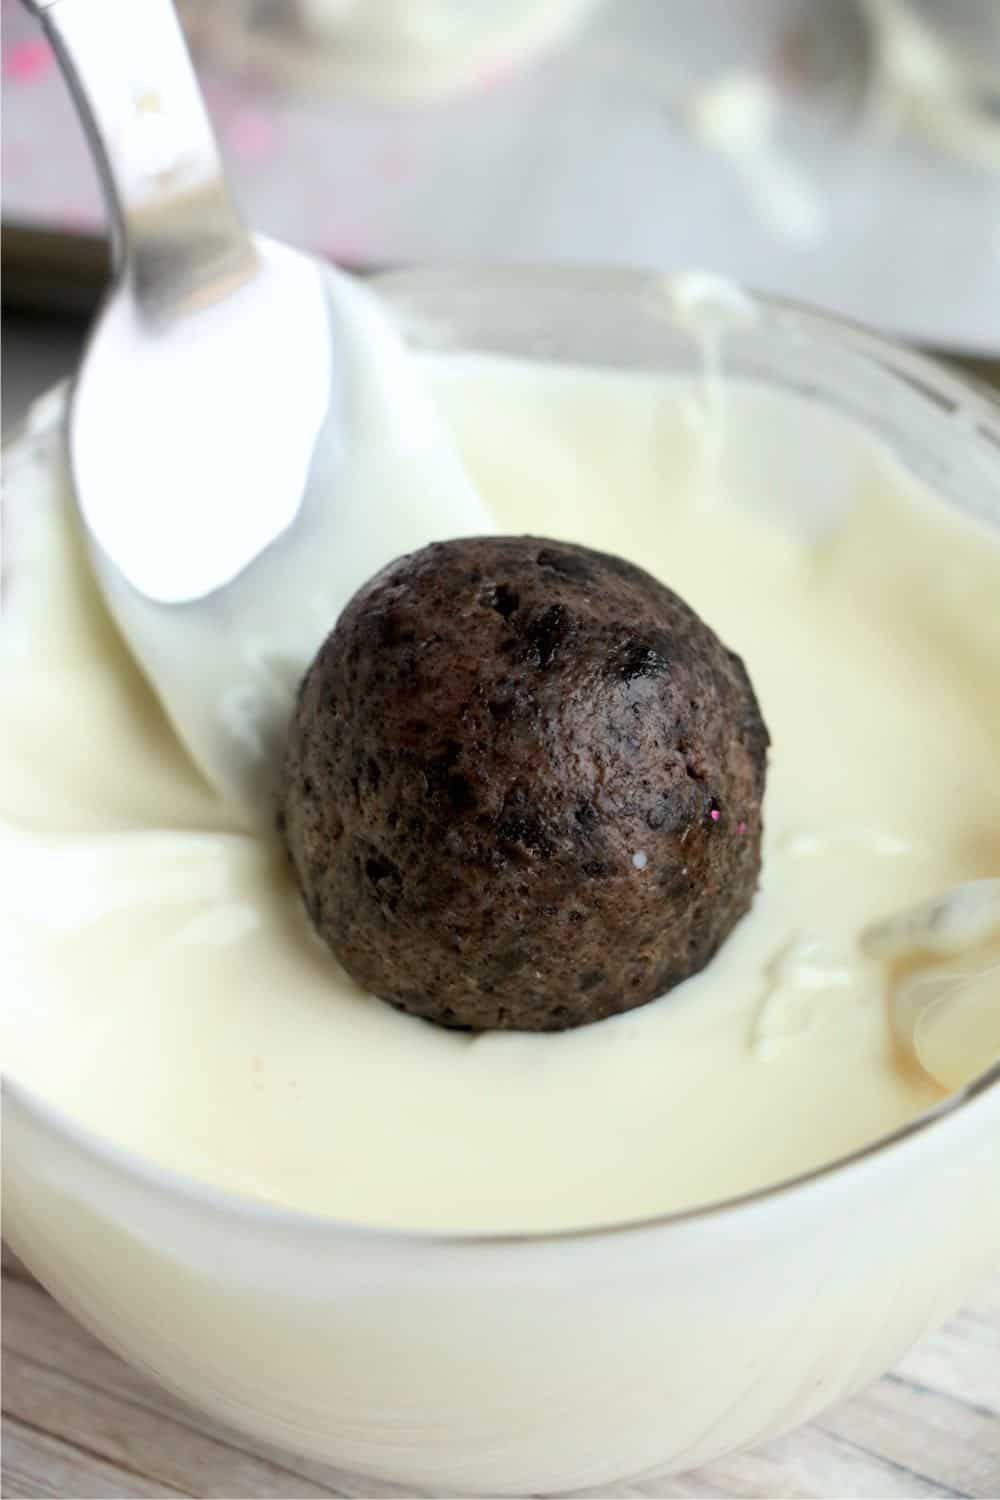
(243, 422)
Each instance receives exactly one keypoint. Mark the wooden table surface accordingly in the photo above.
(77, 1422)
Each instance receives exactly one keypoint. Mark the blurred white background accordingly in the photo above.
(752, 137)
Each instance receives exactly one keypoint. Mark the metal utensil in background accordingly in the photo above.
(229, 511)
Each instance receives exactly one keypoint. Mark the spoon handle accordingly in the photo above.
(176, 233)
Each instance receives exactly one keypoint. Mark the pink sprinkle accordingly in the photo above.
(394, 163)
(222, 97)
(714, 814)
(77, 218)
(741, 829)
(345, 250)
(27, 62)
(250, 135)
(493, 74)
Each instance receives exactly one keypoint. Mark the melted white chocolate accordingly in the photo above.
(159, 980)
(944, 962)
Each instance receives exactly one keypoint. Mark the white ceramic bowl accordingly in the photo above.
(514, 1365)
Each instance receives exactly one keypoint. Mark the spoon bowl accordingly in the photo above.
(239, 419)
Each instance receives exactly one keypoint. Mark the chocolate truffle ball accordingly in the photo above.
(523, 786)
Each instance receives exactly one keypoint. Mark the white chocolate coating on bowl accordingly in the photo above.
(159, 980)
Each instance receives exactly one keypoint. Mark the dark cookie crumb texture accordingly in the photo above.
(523, 786)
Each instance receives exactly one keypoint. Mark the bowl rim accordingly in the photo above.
(935, 381)
(935, 374)
(261, 1214)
